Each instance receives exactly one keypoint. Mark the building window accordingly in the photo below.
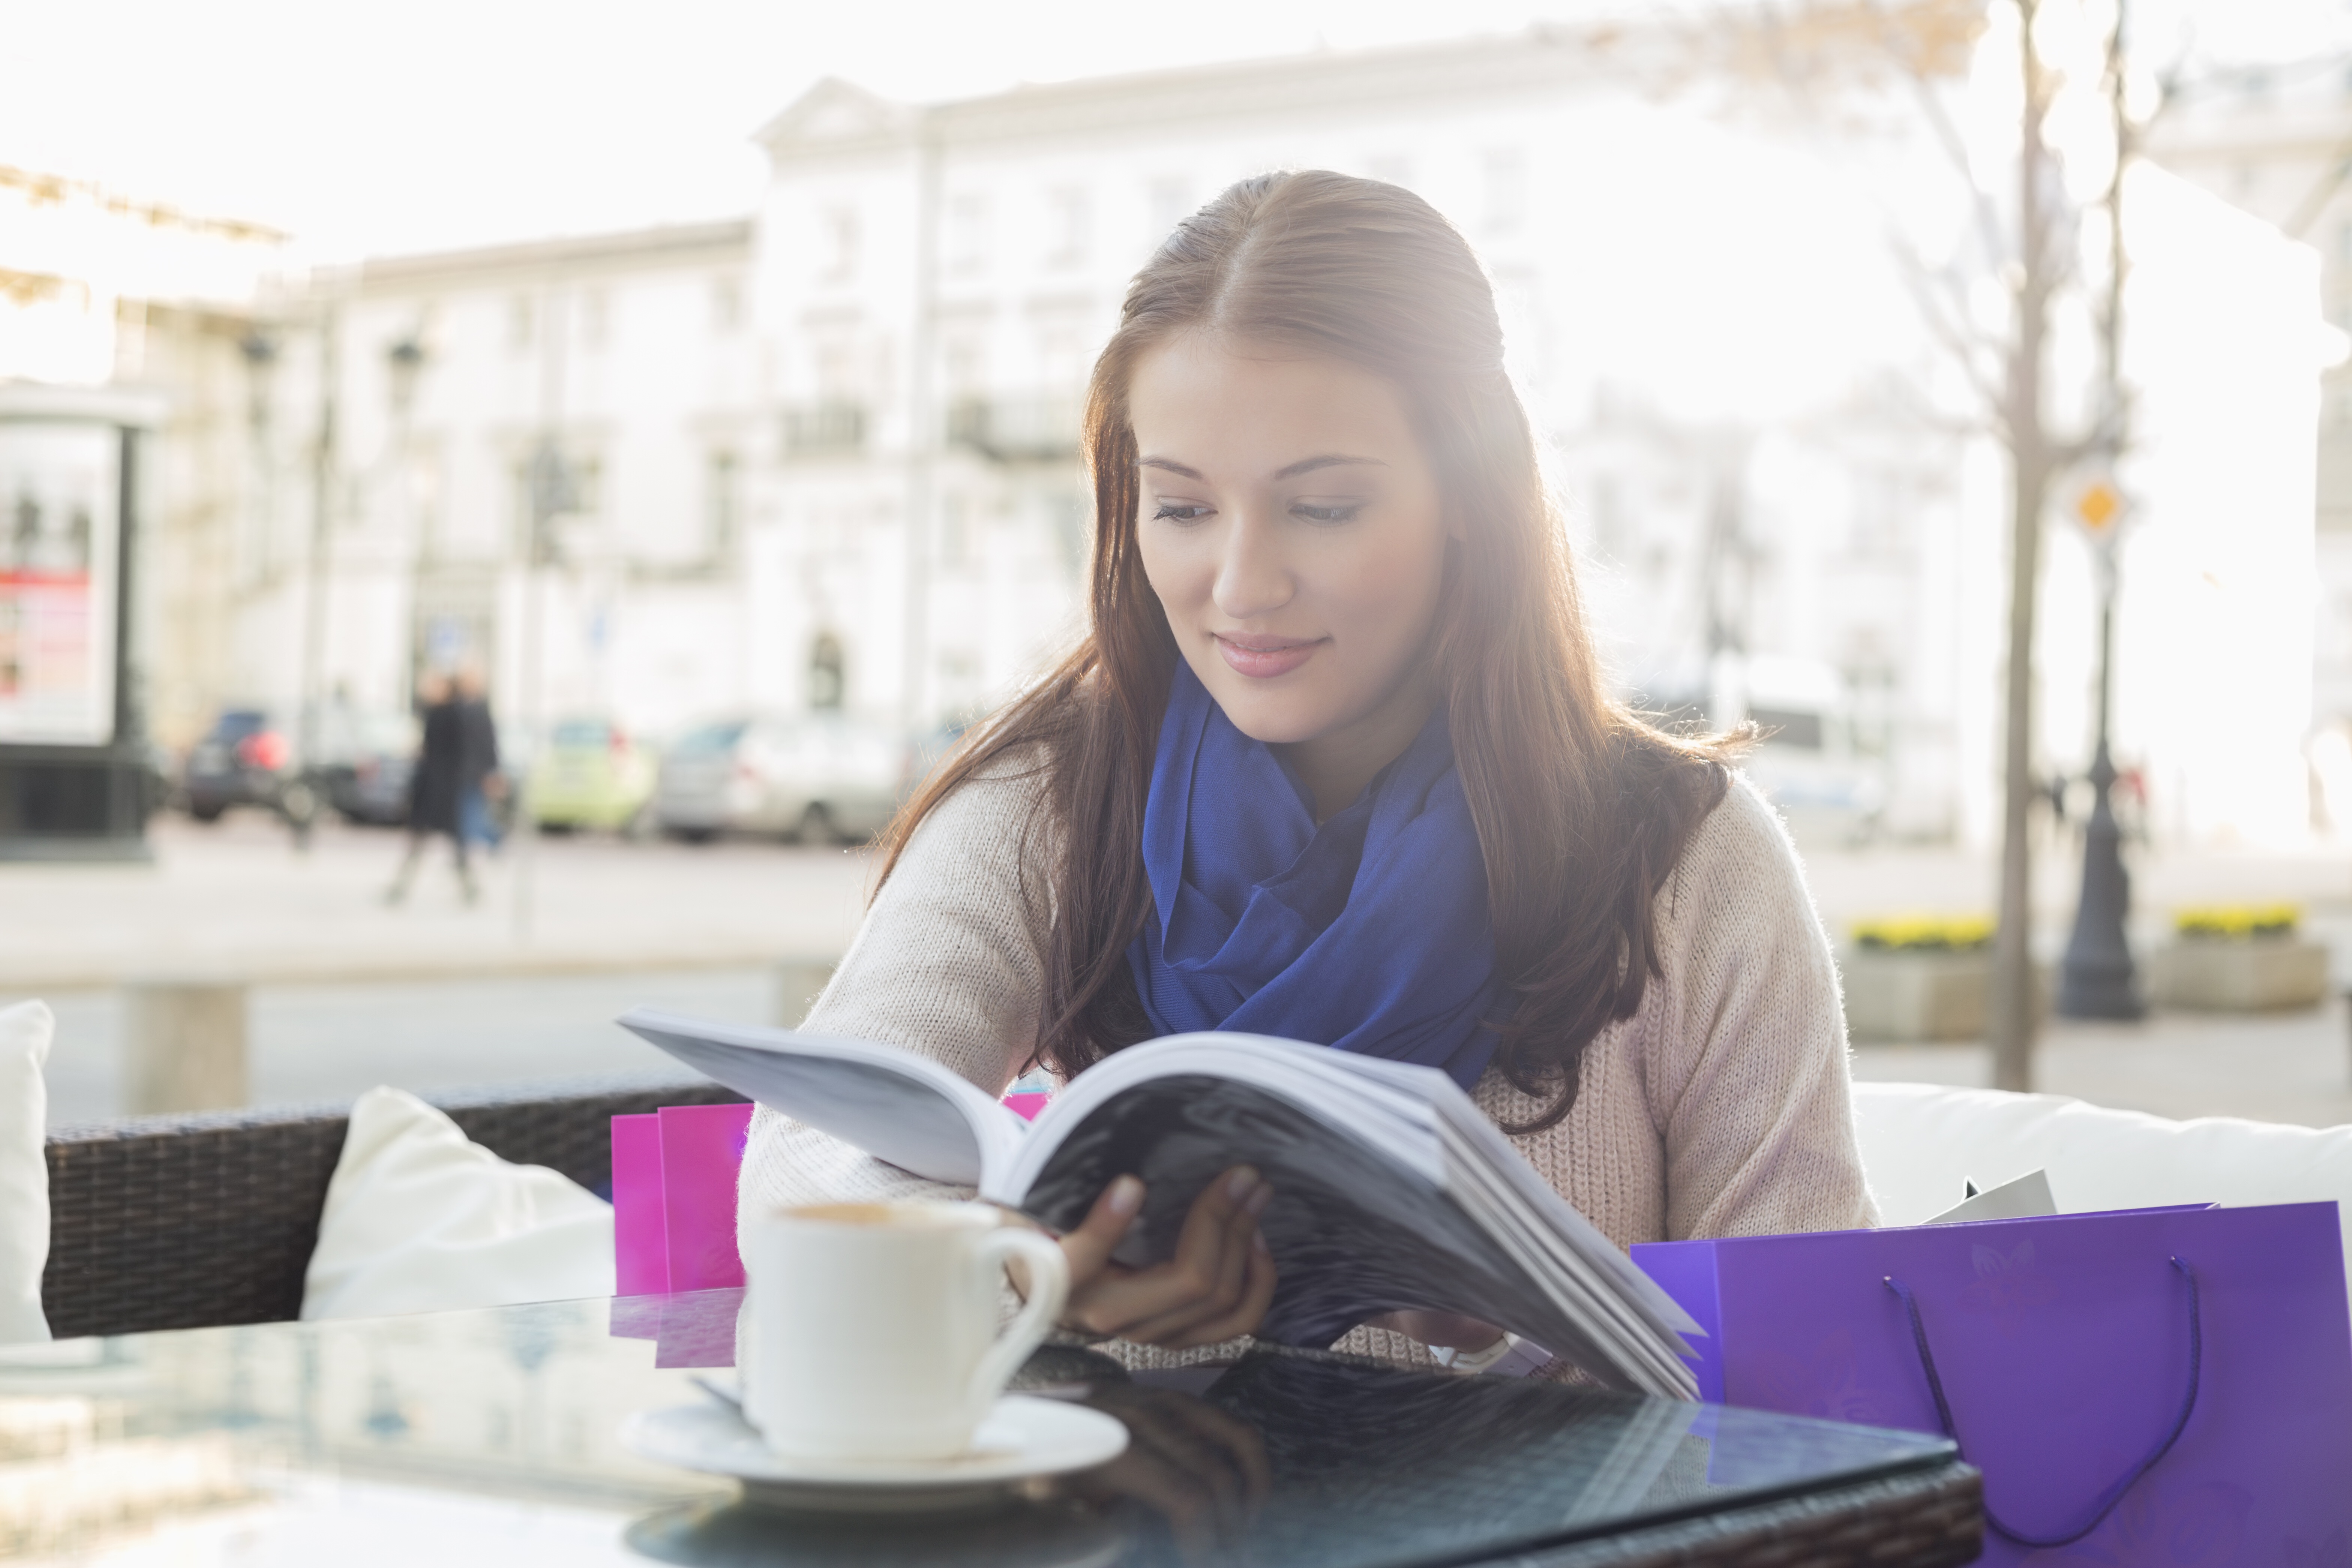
(838, 243)
(1506, 191)
(523, 322)
(574, 490)
(722, 504)
(595, 319)
(1069, 218)
(967, 236)
(828, 674)
(726, 303)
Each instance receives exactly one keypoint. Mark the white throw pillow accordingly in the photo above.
(419, 1219)
(1921, 1141)
(25, 1032)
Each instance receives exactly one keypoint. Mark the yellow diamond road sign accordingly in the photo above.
(2098, 505)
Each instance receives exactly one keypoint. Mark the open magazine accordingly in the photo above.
(1391, 1190)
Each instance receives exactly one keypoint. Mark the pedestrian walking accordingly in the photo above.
(456, 773)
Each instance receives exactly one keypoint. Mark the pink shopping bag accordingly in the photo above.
(2155, 1386)
(674, 1175)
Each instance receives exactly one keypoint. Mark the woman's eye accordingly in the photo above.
(1179, 512)
(1336, 512)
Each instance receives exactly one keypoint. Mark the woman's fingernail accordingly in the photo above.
(1255, 1203)
(1126, 1196)
(1237, 1185)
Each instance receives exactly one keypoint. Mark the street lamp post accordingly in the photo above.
(2098, 979)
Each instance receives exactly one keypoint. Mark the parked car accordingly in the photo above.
(245, 759)
(593, 775)
(367, 762)
(1828, 789)
(819, 777)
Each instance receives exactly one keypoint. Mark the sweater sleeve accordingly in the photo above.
(945, 963)
(1747, 1069)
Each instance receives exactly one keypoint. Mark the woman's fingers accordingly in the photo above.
(1222, 1277)
(1087, 1248)
(1209, 1277)
(1243, 1317)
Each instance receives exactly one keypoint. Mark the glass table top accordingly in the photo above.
(492, 1438)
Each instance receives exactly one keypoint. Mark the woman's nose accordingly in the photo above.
(1253, 579)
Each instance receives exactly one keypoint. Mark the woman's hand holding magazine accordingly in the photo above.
(1216, 1287)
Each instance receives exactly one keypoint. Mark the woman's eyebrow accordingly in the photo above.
(1329, 460)
(1170, 464)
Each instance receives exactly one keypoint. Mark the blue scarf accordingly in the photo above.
(1368, 933)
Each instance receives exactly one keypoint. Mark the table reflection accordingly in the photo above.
(1284, 1459)
(492, 1436)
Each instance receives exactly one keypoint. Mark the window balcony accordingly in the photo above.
(1017, 429)
(829, 429)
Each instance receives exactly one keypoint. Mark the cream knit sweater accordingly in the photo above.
(1721, 1108)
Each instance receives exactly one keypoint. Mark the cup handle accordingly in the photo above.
(1049, 1288)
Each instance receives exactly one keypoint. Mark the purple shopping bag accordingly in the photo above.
(2154, 1387)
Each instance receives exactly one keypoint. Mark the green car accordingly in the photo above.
(590, 775)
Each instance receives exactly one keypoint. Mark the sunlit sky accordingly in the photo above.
(393, 127)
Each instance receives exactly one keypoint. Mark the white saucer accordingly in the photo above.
(1020, 1438)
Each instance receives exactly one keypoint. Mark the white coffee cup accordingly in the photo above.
(871, 1327)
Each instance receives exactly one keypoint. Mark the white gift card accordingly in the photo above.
(2027, 1197)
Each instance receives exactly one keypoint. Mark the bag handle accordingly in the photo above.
(2114, 1494)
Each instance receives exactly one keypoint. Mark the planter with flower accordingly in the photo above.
(1919, 977)
(2241, 958)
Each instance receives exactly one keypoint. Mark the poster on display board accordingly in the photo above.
(59, 537)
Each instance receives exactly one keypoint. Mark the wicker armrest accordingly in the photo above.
(191, 1221)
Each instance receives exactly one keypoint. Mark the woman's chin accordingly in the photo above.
(1274, 719)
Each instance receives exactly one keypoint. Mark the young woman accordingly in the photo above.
(1335, 762)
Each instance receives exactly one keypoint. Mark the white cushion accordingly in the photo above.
(420, 1219)
(1921, 1141)
(25, 1032)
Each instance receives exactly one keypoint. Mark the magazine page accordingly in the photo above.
(896, 1105)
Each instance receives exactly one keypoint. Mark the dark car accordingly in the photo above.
(243, 760)
(368, 760)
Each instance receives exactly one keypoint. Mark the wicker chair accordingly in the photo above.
(196, 1220)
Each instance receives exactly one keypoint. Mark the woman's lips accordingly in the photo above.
(1265, 657)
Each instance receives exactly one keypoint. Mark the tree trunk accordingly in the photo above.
(2012, 1020)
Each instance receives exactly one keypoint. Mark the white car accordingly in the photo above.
(818, 777)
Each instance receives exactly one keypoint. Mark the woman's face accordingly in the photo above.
(1290, 523)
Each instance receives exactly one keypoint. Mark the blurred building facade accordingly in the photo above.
(2276, 142)
(827, 455)
(97, 287)
(830, 455)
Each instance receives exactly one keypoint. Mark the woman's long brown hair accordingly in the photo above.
(1583, 808)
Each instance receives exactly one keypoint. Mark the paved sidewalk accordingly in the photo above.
(234, 901)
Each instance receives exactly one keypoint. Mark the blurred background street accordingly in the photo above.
(637, 451)
(347, 993)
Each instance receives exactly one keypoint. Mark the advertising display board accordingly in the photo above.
(60, 485)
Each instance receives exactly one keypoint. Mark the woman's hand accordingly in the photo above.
(1215, 1287)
